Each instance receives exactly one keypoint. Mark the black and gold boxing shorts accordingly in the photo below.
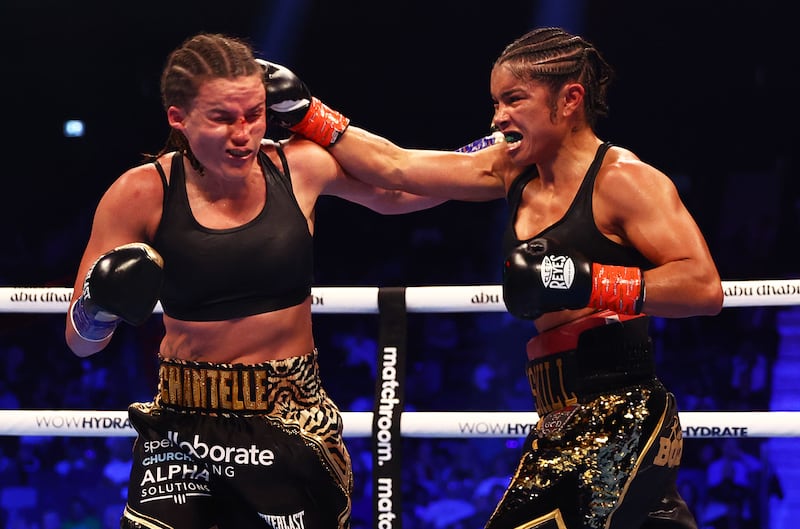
(239, 446)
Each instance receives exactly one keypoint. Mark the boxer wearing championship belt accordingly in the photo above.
(590, 225)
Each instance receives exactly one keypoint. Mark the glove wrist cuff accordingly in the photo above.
(321, 124)
(88, 327)
(617, 288)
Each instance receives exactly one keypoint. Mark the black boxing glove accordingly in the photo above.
(291, 105)
(122, 285)
(541, 276)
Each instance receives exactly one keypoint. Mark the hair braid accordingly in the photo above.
(200, 58)
(554, 57)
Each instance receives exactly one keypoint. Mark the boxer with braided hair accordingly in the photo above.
(219, 227)
(597, 241)
(551, 57)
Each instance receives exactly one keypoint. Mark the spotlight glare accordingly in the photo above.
(73, 128)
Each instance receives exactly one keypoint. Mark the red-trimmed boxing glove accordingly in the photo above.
(291, 105)
(122, 285)
(541, 276)
(617, 288)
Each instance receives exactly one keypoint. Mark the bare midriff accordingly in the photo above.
(250, 340)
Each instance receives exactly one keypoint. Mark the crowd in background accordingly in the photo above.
(460, 362)
(454, 363)
(730, 153)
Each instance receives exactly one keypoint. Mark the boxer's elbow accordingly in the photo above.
(711, 297)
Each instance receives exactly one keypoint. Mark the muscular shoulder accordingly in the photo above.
(625, 183)
(306, 159)
(136, 196)
(312, 168)
(141, 182)
(622, 170)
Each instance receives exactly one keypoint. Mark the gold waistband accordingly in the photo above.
(604, 357)
(235, 387)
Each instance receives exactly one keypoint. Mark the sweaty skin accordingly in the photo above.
(634, 203)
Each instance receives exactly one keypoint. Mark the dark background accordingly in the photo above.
(706, 91)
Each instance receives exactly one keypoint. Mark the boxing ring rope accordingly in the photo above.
(427, 299)
(467, 424)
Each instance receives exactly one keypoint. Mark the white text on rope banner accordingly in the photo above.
(360, 300)
(456, 424)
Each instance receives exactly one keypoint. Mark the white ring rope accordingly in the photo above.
(359, 300)
(452, 424)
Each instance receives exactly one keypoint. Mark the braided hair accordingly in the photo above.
(200, 58)
(554, 57)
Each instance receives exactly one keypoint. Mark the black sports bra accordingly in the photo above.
(576, 229)
(220, 274)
